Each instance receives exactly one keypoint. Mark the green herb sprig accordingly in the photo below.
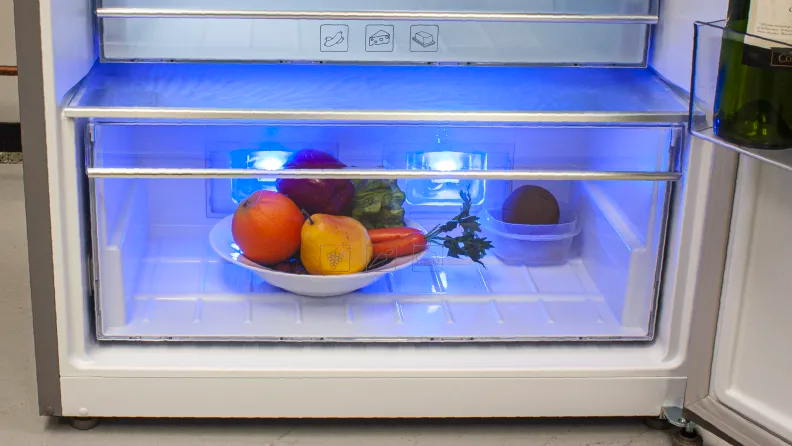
(470, 243)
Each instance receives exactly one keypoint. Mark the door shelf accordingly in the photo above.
(706, 65)
(778, 158)
(385, 94)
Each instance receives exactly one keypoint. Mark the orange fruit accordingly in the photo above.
(267, 226)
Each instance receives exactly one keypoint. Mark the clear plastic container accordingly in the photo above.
(531, 245)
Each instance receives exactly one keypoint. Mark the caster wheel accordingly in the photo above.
(682, 438)
(657, 424)
(84, 424)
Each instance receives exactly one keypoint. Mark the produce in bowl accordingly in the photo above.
(390, 243)
(296, 281)
(266, 226)
(334, 245)
(338, 254)
(317, 195)
(378, 204)
(397, 242)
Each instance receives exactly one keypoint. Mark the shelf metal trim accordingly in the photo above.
(358, 174)
(778, 158)
(379, 116)
(128, 13)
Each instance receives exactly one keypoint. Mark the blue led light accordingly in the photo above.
(267, 160)
(444, 161)
(270, 156)
(445, 192)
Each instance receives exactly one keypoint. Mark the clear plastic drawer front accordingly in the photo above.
(160, 191)
(601, 32)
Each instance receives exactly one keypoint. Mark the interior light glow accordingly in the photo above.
(444, 161)
(268, 160)
(445, 191)
(268, 156)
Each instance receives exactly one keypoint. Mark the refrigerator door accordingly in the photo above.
(750, 397)
(738, 383)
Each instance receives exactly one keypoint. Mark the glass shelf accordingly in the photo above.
(415, 8)
(706, 63)
(547, 32)
(435, 16)
(778, 158)
(385, 94)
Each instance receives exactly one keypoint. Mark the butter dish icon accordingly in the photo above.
(424, 39)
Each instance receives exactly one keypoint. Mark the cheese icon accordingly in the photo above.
(379, 38)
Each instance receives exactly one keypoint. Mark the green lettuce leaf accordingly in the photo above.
(378, 204)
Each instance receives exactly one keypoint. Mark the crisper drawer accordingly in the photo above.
(557, 32)
(161, 193)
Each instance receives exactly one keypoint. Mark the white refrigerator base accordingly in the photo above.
(423, 397)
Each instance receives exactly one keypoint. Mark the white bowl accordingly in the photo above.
(222, 242)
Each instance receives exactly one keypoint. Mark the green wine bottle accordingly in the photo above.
(753, 103)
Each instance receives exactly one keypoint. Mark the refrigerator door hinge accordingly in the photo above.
(687, 434)
(673, 415)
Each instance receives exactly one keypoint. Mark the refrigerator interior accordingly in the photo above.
(97, 375)
(158, 278)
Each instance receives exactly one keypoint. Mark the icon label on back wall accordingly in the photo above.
(379, 38)
(424, 38)
(334, 38)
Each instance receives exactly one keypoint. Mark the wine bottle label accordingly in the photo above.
(770, 19)
(772, 58)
